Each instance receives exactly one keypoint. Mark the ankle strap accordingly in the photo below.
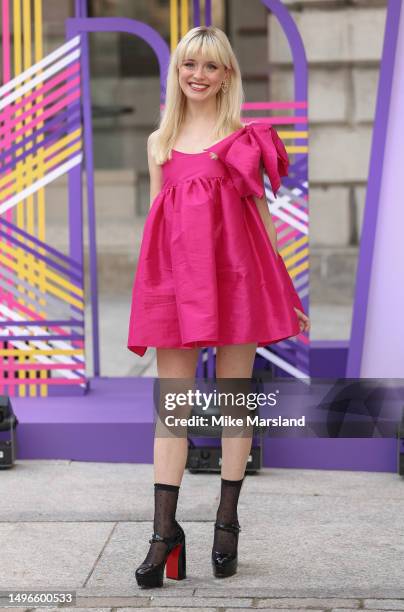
(232, 527)
(169, 541)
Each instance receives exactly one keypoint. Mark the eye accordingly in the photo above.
(212, 66)
(188, 64)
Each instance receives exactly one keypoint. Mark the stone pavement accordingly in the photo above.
(310, 540)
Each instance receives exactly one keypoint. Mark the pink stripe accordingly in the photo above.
(6, 144)
(33, 315)
(37, 107)
(285, 225)
(282, 226)
(46, 366)
(264, 105)
(44, 381)
(4, 187)
(276, 119)
(44, 88)
(6, 41)
(287, 237)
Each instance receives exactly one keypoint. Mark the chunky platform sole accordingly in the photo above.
(174, 564)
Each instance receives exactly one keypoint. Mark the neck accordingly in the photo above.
(203, 114)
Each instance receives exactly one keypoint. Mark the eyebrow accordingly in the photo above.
(190, 59)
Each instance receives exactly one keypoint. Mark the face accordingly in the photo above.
(201, 78)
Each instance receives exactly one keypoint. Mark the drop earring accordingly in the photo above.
(224, 86)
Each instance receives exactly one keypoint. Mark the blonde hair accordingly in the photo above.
(213, 44)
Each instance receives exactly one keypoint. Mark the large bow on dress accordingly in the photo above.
(242, 156)
(242, 152)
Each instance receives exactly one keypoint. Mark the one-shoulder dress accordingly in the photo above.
(207, 273)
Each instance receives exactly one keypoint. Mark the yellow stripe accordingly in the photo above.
(48, 273)
(292, 149)
(297, 257)
(173, 24)
(287, 135)
(55, 147)
(29, 206)
(41, 283)
(20, 209)
(22, 353)
(184, 17)
(293, 246)
(298, 269)
(50, 165)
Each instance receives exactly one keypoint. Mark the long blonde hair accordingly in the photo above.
(213, 44)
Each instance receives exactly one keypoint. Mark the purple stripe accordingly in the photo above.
(89, 162)
(34, 338)
(60, 118)
(41, 244)
(38, 255)
(292, 182)
(80, 7)
(367, 241)
(208, 12)
(197, 15)
(287, 347)
(157, 43)
(289, 27)
(56, 135)
(66, 159)
(44, 323)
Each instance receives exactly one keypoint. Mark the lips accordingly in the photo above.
(198, 86)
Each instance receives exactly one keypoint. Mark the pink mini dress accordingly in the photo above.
(207, 273)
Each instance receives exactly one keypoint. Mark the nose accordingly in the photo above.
(199, 73)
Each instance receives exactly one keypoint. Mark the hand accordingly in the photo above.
(304, 321)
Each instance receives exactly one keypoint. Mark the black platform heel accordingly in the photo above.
(150, 575)
(225, 564)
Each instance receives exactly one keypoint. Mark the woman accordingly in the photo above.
(209, 273)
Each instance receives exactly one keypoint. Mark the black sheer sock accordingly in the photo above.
(225, 541)
(165, 507)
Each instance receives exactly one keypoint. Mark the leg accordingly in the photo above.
(170, 455)
(235, 361)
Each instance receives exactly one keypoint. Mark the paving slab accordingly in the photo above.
(36, 490)
(393, 604)
(349, 610)
(307, 602)
(49, 556)
(329, 537)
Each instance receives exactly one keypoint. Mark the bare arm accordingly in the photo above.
(266, 217)
(155, 172)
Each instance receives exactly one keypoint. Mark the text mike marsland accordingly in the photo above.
(229, 421)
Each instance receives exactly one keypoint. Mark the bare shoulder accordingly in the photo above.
(152, 137)
(155, 170)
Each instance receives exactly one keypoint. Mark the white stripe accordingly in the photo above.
(291, 220)
(41, 77)
(286, 204)
(281, 363)
(48, 59)
(20, 344)
(279, 212)
(41, 183)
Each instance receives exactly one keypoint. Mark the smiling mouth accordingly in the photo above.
(198, 87)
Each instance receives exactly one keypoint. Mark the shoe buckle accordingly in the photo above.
(157, 538)
(232, 527)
